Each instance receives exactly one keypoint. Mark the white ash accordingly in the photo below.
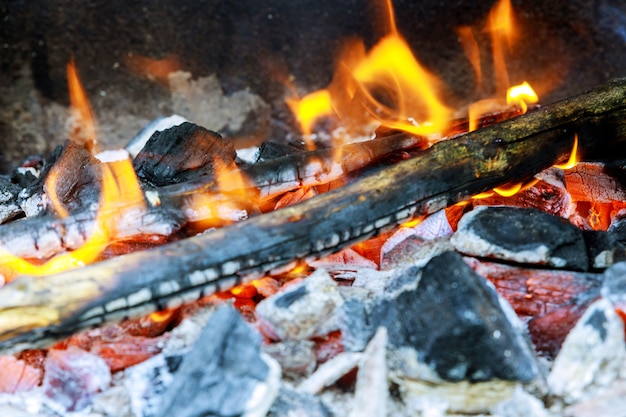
(303, 310)
(330, 372)
(112, 155)
(296, 357)
(520, 404)
(592, 355)
(610, 403)
(203, 101)
(372, 386)
(413, 251)
(249, 155)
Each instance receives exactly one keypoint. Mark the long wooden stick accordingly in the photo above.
(446, 173)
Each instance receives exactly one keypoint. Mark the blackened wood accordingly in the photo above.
(444, 174)
(44, 236)
(181, 153)
(77, 178)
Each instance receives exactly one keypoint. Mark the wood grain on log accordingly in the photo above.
(441, 175)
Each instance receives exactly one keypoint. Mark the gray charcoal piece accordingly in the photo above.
(614, 284)
(291, 403)
(9, 206)
(592, 355)
(147, 381)
(525, 236)
(303, 310)
(604, 249)
(182, 153)
(354, 324)
(222, 374)
(137, 143)
(456, 325)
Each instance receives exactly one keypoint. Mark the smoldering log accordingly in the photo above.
(446, 173)
(45, 236)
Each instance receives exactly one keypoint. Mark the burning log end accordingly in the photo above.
(447, 172)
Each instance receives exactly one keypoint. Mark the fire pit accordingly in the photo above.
(464, 261)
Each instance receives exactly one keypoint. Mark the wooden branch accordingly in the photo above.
(446, 173)
(42, 237)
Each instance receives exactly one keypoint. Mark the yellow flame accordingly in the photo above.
(573, 157)
(387, 85)
(113, 190)
(311, 108)
(505, 191)
(521, 95)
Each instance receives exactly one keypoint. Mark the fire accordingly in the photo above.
(501, 26)
(113, 191)
(85, 131)
(573, 157)
(521, 95)
(512, 189)
(386, 85)
(120, 194)
(154, 69)
(225, 205)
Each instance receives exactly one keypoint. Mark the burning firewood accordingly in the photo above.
(446, 173)
(41, 237)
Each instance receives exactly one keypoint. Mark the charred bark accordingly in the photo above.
(42, 237)
(446, 173)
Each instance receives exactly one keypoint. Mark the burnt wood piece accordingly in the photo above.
(272, 177)
(181, 153)
(447, 172)
(44, 236)
(76, 177)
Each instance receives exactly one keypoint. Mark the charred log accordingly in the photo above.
(444, 174)
(44, 236)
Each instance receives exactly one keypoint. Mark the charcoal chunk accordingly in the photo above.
(182, 153)
(457, 326)
(604, 249)
(292, 403)
(526, 236)
(220, 374)
(9, 207)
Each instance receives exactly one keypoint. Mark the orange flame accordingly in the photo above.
(154, 69)
(225, 206)
(501, 27)
(514, 188)
(120, 194)
(85, 133)
(386, 85)
(103, 230)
